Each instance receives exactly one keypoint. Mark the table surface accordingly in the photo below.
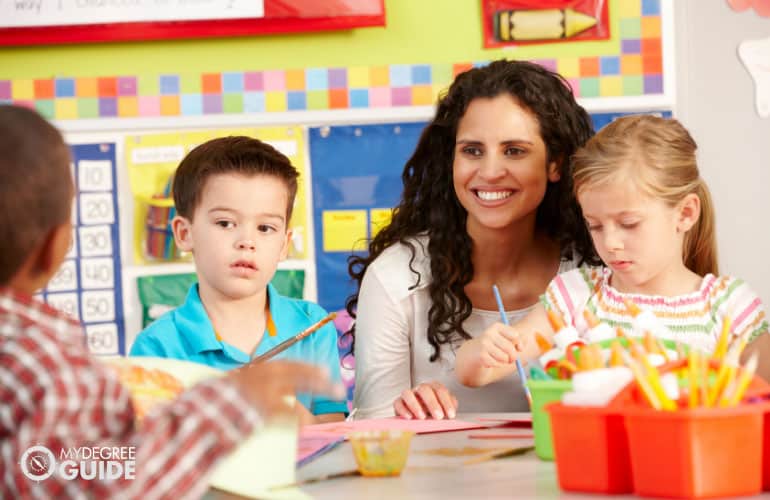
(436, 469)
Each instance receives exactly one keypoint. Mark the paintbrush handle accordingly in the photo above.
(510, 452)
(290, 342)
(519, 367)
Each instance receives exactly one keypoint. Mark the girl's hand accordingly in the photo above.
(498, 345)
(427, 400)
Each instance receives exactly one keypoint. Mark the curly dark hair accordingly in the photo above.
(429, 204)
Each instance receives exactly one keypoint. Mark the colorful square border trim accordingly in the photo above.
(636, 71)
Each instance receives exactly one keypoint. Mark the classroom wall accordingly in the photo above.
(127, 93)
(715, 100)
(417, 31)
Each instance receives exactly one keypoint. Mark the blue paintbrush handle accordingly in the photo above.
(504, 318)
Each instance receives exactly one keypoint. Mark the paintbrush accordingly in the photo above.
(510, 452)
(290, 342)
(519, 367)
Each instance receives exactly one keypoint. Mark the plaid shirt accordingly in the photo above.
(53, 393)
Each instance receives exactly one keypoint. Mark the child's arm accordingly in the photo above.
(748, 313)
(760, 345)
(307, 418)
(175, 446)
(491, 356)
(326, 354)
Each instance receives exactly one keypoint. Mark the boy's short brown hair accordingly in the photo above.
(229, 155)
(36, 187)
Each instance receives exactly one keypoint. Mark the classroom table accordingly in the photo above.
(429, 475)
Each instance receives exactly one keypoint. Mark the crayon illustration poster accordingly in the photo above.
(517, 22)
(152, 159)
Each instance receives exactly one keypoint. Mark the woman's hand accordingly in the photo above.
(427, 400)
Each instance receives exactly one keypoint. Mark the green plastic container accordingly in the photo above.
(548, 391)
(544, 392)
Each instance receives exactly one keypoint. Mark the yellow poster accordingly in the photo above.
(344, 230)
(380, 217)
(153, 158)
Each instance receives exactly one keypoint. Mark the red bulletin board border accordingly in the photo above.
(281, 16)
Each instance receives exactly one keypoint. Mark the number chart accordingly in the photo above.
(88, 284)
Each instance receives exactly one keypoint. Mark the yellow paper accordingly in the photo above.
(380, 217)
(344, 230)
(152, 158)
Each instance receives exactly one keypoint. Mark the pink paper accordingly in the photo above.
(316, 439)
(426, 426)
(310, 445)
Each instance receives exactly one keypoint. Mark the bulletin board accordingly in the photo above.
(356, 179)
(151, 159)
(38, 22)
(88, 284)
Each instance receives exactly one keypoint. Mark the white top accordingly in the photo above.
(391, 345)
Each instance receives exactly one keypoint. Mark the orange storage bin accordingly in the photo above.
(627, 447)
(591, 449)
(699, 453)
(766, 453)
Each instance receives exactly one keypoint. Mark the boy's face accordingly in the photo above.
(238, 234)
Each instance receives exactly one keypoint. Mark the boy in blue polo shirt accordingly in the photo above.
(234, 198)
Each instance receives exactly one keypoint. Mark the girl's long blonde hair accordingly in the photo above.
(659, 154)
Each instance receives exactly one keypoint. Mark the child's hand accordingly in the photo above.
(266, 385)
(305, 417)
(498, 345)
(430, 399)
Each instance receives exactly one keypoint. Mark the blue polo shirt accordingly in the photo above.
(187, 333)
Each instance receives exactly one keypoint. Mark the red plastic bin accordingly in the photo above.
(766, 453)
(699, 453)
(591, 449)
(594, 452)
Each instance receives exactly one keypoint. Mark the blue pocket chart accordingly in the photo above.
(356, 173)
(88, 284)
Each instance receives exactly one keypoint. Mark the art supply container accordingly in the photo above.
(544, 392)
(591, 449)
(766, 453)
(380, 453)
(159, 237)
(698, 453)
